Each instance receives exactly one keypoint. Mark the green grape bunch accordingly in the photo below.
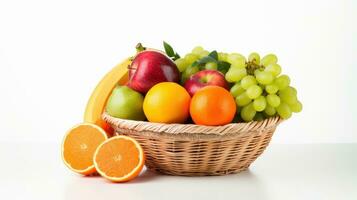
(259, 88)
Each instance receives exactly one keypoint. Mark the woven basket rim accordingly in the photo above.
(241, 127)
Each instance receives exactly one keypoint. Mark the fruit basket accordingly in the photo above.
(196, 150)
(204, 114)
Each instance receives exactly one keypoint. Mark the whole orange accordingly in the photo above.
(167, 102)
(212, 105)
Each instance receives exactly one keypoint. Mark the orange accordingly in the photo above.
(119, 159)
(212, 105)
(79, 145)
(167, 102)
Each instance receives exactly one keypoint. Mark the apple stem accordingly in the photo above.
(139, 47)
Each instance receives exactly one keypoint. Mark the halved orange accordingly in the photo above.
(79, 145)
(119, 159)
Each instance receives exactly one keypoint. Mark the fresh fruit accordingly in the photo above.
(97, 101)
(254, 91)
(236, 59)
(149, 68)
(269, 59)
(282, 81)
(243, 99)
(284, 110)
(181, 64)
(119, 159)
(237, 89)
(273, 100)
(126, 103)
(205, 78)
(212, 105)
(264, 77)
(259, 103)
(248, 81)
(235, 74)
(248, 112)
(275, 69)
(167, 102)
(79, 145)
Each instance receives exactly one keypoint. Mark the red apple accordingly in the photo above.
(149, 68)
(205, 78)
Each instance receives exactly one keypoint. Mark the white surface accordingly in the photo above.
(309, 171)
(53, 53)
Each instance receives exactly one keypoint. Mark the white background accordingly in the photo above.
(53, 53)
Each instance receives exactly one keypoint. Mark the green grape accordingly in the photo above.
(297, 107)
(248, 81)
(257, 71)
(211, 65)
(236, 59)
(248, 112)
(288, 95)
(243, 99)
(264, 77)
(254, 91)
(259, 103)
(189, 72)
(203, 53)
(181, 64)
(197, 50)
(271, 88)
(254, 57)
(294, 91)
(235, 74)
(282, 81)
(269, 59)
(269, 110)
(273, 100)
(222, 56)
(190, 58)
(259, 116)
(289, 99)
(284, 110)
(237, 89)
(238, 65)
(274, 69)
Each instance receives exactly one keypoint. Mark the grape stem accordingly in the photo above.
(252, 66)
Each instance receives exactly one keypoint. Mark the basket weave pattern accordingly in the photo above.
(193, 150)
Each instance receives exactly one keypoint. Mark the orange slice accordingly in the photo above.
(119, 159)
(79, 145)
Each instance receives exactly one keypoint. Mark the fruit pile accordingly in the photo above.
(210, 88)
(204, 88)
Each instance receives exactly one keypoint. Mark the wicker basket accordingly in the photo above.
(193, 150)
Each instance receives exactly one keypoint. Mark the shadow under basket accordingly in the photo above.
(194, 150)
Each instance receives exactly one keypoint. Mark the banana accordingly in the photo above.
(97, 101)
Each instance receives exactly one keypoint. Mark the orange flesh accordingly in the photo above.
(118, 158)
(80, 145)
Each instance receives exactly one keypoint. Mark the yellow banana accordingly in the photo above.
(100, 95)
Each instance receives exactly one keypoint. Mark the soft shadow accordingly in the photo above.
(145, 176)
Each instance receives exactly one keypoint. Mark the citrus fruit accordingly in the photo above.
(167, 102)
(119, 159)
(212, 105)
(79, 145)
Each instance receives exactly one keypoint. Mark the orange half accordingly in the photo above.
(79, 145)
(119, 159)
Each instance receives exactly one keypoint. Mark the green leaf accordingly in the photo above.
(169, 50)
(177, 56)
(213, 54)
(223, 66)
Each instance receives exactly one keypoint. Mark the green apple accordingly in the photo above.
(125, 103)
